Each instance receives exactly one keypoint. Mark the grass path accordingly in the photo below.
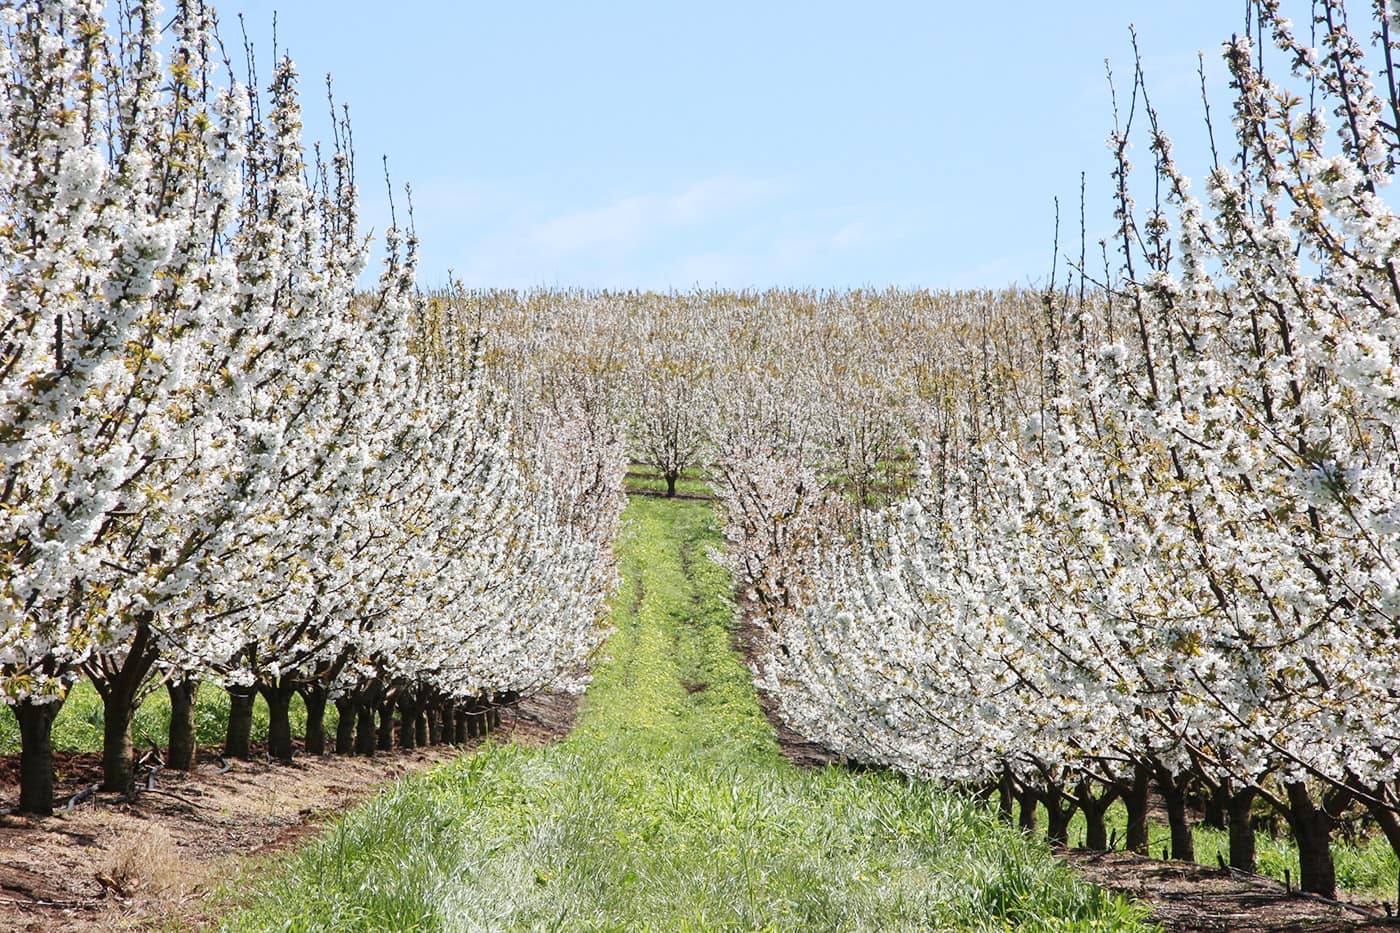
(669, 808)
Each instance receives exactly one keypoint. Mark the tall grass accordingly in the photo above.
(670, 808)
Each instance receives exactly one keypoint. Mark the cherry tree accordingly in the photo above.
(108, 266)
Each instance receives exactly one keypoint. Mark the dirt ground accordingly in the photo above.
(1183, 897)
(150, 863)
(1197, 898)
(748, 639)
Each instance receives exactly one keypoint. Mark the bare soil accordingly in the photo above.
(748, 638)
(149, 863)
(1187, 897)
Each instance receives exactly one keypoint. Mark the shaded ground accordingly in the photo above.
(110, 865)
(748, 639)
(661, 494)
(647, 481)
(1196, 898)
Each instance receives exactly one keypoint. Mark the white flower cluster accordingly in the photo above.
(219, 460)
(1183, 562)
(706, 376)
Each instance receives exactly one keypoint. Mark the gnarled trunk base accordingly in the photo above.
(36, 755)
(183, 744)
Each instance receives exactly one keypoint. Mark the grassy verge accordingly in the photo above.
(669, 808)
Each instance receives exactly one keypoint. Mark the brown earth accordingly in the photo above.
(1187, 897)
(748, 638)
(152, 862)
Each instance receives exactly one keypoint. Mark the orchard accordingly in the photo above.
(224, 463)
(1126, 540)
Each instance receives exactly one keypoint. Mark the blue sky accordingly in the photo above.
(742, 144)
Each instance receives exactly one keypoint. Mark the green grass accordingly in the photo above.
(669, 808)
(78, 726)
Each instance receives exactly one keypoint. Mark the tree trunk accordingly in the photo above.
(1059, 809)
(420, 727)
(1096, 830)
(1095, 811)
(1239, 811)
(1136, 800)
(279, 719)
(1390, 825)
(671, 478)
(183, 743)
(1312, 831)
(346, 711)
(434, 716)
(1006, 796)
(314, 696)
(408, 712)
(36, 755)
(118, 751)
(476, 716)
(238, 740)
(1183, 844)
(1386, 817)
(1217, 809)
(365, 740)
(386, 725)
(1028, 801)
(1173, 789)
(119, 685)
(460, 726)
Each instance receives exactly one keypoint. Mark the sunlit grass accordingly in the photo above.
(78, 726)
(670, 808)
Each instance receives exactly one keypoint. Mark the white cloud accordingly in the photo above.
(633, 220)
(724, 230)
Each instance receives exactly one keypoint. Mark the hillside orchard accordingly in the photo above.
(1137, 531)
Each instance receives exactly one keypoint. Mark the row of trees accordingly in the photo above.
(1167, 553)
(1149, 534)
(222, 461)
(841, 380)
